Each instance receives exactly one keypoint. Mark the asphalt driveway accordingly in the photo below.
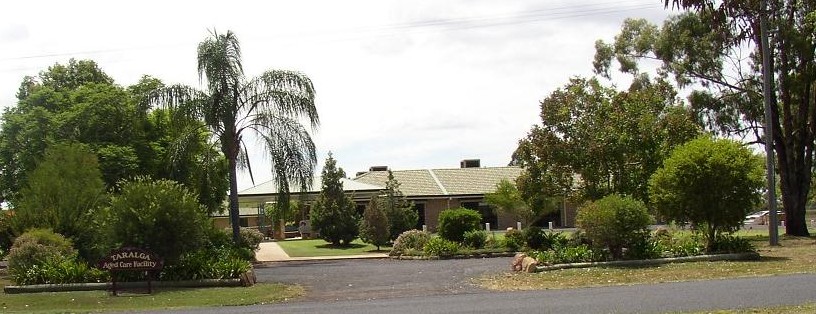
(382, 278)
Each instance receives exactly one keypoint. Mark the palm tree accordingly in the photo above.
(271, 106)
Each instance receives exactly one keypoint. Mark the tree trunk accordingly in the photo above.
(233, 201)
(795, 179)
(794, 200)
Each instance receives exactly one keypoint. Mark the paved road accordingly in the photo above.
(656, 298)
(380, 286)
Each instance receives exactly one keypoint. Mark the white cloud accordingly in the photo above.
(406, 84)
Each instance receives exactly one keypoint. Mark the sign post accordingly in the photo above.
(131, 259)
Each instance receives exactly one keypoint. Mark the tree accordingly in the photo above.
(706, 49)
(65, 193)
(78, 102)
(269, 107)
(374, 227)
(595, 141)
(333, 214)
(709, 183)
(614, 222)
(507, 199)
(401, 214)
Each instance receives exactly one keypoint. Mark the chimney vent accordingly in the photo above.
(470, 163)
(378, 168)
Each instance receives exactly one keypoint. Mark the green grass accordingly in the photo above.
(795, 255)
(790, 309)
(317, 247)
(97, 301)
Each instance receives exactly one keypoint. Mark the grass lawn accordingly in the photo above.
(97, 301)
(795, 255)
(318, 247)
(791, 309)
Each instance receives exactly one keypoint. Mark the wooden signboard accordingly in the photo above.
(131, 259)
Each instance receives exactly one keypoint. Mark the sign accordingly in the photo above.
(130, 258)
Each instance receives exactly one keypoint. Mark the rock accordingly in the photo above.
(517, 260)
(248, 278)
(528, 264)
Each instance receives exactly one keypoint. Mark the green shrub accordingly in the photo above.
(732, 244)
(475, 239)
(161, 216)
(374, 227)
(453, 223)
(438, 246)
(410, 240)
(250, 238)
(334, 214)
(538, 239)
(36, 247)
(567, 254)
(220, 263)
(513, 240)
(710, 183)
(60, 271)
(614, 223)
(644, 247)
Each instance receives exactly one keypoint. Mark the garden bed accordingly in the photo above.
(656, 261)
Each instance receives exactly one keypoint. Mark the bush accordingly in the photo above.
(453, 223)
(441, 247)
(250, 238)
(60, 271)
(535, 239)
(220, 263)
(732, 244)
(160, 216)
(614, 222)
(475, 239)
(36, 247)
(513, 240)
(41, 256)
(410, 240)
(709, 183)
(567, 254)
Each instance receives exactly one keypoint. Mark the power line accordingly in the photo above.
(442, 25)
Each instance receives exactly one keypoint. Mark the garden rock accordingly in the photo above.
(517, 261)
(529, 264)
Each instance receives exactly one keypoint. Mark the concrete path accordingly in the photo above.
(272, 252)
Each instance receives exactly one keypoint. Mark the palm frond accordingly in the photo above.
(292, 151)
(287, 93)
(181, 101)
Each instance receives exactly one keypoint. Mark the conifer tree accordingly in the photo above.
(401, 214)
(334, 214)
(374, 228)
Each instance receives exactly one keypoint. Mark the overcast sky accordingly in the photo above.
(404, 84)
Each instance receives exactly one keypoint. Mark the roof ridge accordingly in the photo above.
(438, 183)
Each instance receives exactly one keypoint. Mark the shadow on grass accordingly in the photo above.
(351, 246)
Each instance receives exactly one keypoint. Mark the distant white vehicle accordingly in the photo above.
(754, 218)
(761, 218)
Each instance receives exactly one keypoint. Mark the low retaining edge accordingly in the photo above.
(658, 261)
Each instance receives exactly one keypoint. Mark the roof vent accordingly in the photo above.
(378, 168)
(470, 163)
(359, 173)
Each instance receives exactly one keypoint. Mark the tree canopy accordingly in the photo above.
(714, 49)
(594, 140)
(333, 214)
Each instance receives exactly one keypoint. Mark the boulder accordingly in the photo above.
(517, 261)
(528, 264)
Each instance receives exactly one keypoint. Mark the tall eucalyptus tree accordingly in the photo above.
(273, 106)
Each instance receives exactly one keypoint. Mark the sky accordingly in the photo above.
(404, 84)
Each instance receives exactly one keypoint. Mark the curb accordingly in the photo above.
(659, 261)
(127, 285)
(471, 256)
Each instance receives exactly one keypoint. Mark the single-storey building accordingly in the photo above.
(431, 191)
